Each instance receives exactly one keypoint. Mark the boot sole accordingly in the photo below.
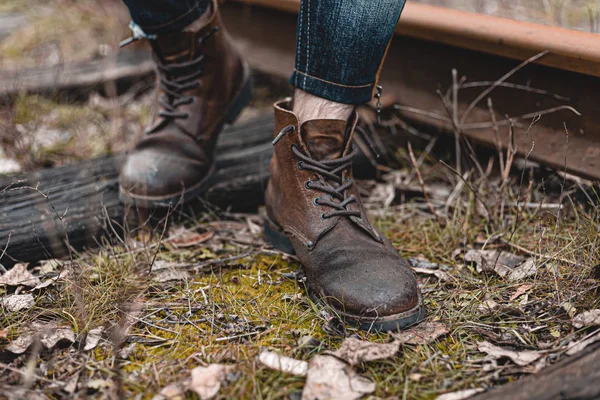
(240, 101)
(278, 240)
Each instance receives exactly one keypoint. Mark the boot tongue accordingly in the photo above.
(324, 138)
(174, 47)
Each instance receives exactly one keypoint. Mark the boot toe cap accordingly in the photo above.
(373, 291)
(152, 173)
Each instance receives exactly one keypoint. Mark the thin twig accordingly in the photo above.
(420, 178)
(2, 269)
(469, 186)
(514, 86)
(504, 122)
(422, 112)
(483, 94)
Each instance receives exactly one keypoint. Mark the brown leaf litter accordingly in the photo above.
(587, 319)
(183, 237)
(18, 302)
(521, 358)
(425, 332)
(500, 262)
(527, 269)
(329, 378)
(18, 275)
(355, 351)
(49, 334)
(206, 381)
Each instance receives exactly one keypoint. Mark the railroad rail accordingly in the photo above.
(432, 41)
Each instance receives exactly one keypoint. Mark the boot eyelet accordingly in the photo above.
(316, 201)
(310, 244)
(300, 164)
(324, 216)
(307, 184)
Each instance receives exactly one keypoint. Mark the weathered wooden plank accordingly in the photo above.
(82, 199)
(112, 68)
(574, 378)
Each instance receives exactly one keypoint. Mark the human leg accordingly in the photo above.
(313, 207)
(341, 46)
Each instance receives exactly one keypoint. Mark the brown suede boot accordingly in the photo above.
(203, 84)
(314, 210)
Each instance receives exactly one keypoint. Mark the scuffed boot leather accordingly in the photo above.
(313, 209)
(203, 84)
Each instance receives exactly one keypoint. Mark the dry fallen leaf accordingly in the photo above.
(487, 307)
(278, 362)
(422, 262)
(19, 276)
(331, 379)
(49, 282)
(355, 351)
(71, 385)
(441, 275)
(425, 332)
(20, 344)
(93, 338)
(52, 337)
(49, 335)
(206, 381)
(582, 344)
(183, 237)
(98, 384)
(168, 275)
(125, 352)
(460, 395)
(18, 302)
(173, 391)
(493, 261)
(587, 318)
(160, 265)
(569, 308)
(521, 358)
(525, 270)
(521, 290)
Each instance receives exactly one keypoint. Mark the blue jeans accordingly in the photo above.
(340, 44)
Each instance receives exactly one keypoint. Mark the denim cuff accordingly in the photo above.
(340, 93)
(168, 23)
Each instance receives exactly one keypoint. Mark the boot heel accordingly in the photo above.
(240, 102)
(277, 239)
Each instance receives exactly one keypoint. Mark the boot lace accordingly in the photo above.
(175, 80)
(333, 184)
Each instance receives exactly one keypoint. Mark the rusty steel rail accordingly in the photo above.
(432, 41)
(568, 49)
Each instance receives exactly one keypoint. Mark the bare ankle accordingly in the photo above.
(308, 107)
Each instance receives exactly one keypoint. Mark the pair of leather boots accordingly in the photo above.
(313, 208)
